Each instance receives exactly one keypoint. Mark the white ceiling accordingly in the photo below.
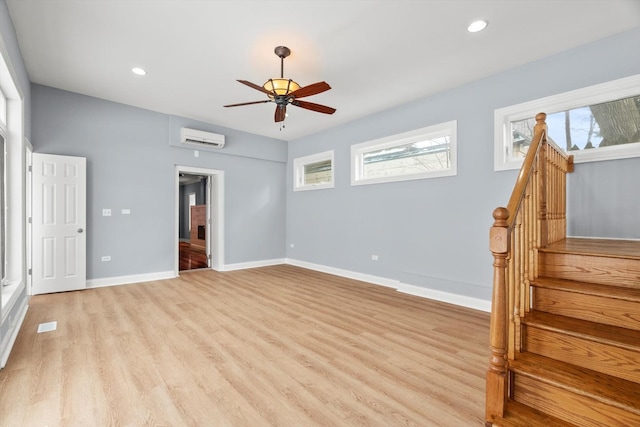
(374, 54)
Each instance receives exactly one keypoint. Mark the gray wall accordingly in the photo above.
(434, 233)
(130, 164)
(604, 199)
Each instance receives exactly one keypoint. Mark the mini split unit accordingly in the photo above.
(198, 137)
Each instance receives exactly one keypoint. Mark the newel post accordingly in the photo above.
(497, 373)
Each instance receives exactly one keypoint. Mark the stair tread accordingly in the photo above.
(612, 390)
(600, 332)
(622, 293)
(520, 415)
(597, 247)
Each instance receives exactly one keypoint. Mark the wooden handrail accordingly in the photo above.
(534, 217)
(539, 135)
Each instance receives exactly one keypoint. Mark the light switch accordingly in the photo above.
(126, 211)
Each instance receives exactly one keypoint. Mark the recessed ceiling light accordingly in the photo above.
(476, 26)
(139, 71)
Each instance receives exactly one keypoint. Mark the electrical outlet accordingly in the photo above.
(126, 211)
(106, 212)
(374, 257)
(106, 258)
(291, 245)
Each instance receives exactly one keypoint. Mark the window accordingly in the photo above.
(423, 153)
(600, 122)
(3, 213)
(12, 213)
(313, 172)
(3, 210)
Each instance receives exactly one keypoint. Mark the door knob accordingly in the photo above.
(80, 230)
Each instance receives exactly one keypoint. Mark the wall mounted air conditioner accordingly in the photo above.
(199, 137)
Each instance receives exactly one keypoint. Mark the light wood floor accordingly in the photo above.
(273, 346)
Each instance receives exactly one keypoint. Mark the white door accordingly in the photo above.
(59, 223)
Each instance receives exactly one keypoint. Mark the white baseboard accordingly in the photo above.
(376, 280)
(460, 300)
(450, 298)
(125, 280)
(253, 264)
(10, 339)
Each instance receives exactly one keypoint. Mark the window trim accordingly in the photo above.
(15, 231)
(298, 171)
(3, 108)
(358, 151)
(590, 95)
(3, 210)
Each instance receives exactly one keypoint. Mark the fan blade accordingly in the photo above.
(256, 87)
(314, 107)
(248, 103)
(312, 89)
(281, 112)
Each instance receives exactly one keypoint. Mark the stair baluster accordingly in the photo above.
(534, 217)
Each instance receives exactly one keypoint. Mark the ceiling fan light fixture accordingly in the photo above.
(280, 86)
(286, 92)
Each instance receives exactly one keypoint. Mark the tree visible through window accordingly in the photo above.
(599, 122)
(595, 126)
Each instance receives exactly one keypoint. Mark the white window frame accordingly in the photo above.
(298, 171)
(14, 188)
(604, 92)
(435, 131)
(3, 109)
(3, 209)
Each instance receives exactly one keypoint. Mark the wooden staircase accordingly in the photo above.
(580, 358)
(565, 335)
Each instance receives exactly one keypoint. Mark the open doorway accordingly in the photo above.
(199, 219)
(193, 222)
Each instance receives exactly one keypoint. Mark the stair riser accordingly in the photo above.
(593, 269)
(571, 407)
(615, 312)
(618, 362)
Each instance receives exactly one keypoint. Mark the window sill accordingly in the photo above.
(10, 294)
(398, 178)
(313, 187)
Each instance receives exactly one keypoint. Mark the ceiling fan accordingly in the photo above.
(286, 91)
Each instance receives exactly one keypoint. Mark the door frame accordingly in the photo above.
(28, 213)
(215, 213)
